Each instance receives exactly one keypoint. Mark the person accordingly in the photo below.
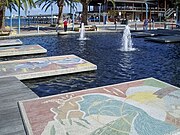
(115, 23)
(152, 20)
(65, 25)
(136, 23)
(126, 21)
(145, 24)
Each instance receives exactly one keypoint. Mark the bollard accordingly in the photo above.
(38, 29)
(135, 25)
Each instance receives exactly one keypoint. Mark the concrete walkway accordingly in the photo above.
(46, 30)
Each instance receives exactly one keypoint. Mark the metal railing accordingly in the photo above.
(131, 8)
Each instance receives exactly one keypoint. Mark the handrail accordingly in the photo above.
(134, 8)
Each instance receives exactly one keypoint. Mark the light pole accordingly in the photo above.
(146, 10)
(94, 18)
(11, 19)
(146, 24)
(29, 18)
(37, 22)
(99, 11)
(74, 11)
(19, 19)
(51, 14)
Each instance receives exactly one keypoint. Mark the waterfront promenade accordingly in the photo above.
(45, 29)
(12, 123)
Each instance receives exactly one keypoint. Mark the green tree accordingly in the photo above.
(60, 3)
(12, 4)
(85, 4)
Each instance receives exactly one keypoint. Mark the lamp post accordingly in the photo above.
(51, 14)
(37, 22)
(146, 21)
(29, 18)
(19, 19)
(11, 19)
(74, 11)
(146, 10)
(94, 18)
(99, 11)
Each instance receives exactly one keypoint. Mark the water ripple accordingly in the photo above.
(161, 61)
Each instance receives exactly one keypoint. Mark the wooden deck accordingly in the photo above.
(21, 50)
(10, 42)
(12, 90)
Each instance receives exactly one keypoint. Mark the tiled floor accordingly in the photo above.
(141, 107)
(43, 67)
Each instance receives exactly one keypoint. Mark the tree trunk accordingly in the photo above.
(2, 16)
(60, 10)
(85, 11)
(178, 15)
(178, 12)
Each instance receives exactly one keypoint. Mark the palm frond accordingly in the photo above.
(112, 1)
(45, 4)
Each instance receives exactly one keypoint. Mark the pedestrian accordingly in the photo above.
(65, 25)
(145, 26)
(126, 21)
(152, 20)
(136, 23)
(115, 23)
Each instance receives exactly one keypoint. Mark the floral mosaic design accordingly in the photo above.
(39, 65)
(144, 107)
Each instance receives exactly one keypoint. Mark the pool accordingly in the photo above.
(161, 61)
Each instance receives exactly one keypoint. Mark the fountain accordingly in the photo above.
(82, 33)
(126, 40)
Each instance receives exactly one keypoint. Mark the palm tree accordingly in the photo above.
(60, 3)
(177, 3)
(12, 4)
(2, 14)
(85, 4)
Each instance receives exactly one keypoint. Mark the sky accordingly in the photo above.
(38, 11)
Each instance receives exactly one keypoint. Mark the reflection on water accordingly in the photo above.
(82, 46)
(126, 64)
(62, 84)
(81, 43)
(161, 61)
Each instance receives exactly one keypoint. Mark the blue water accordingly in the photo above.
(23, 22)
(161, 61)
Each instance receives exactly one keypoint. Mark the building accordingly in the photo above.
(135, 9)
